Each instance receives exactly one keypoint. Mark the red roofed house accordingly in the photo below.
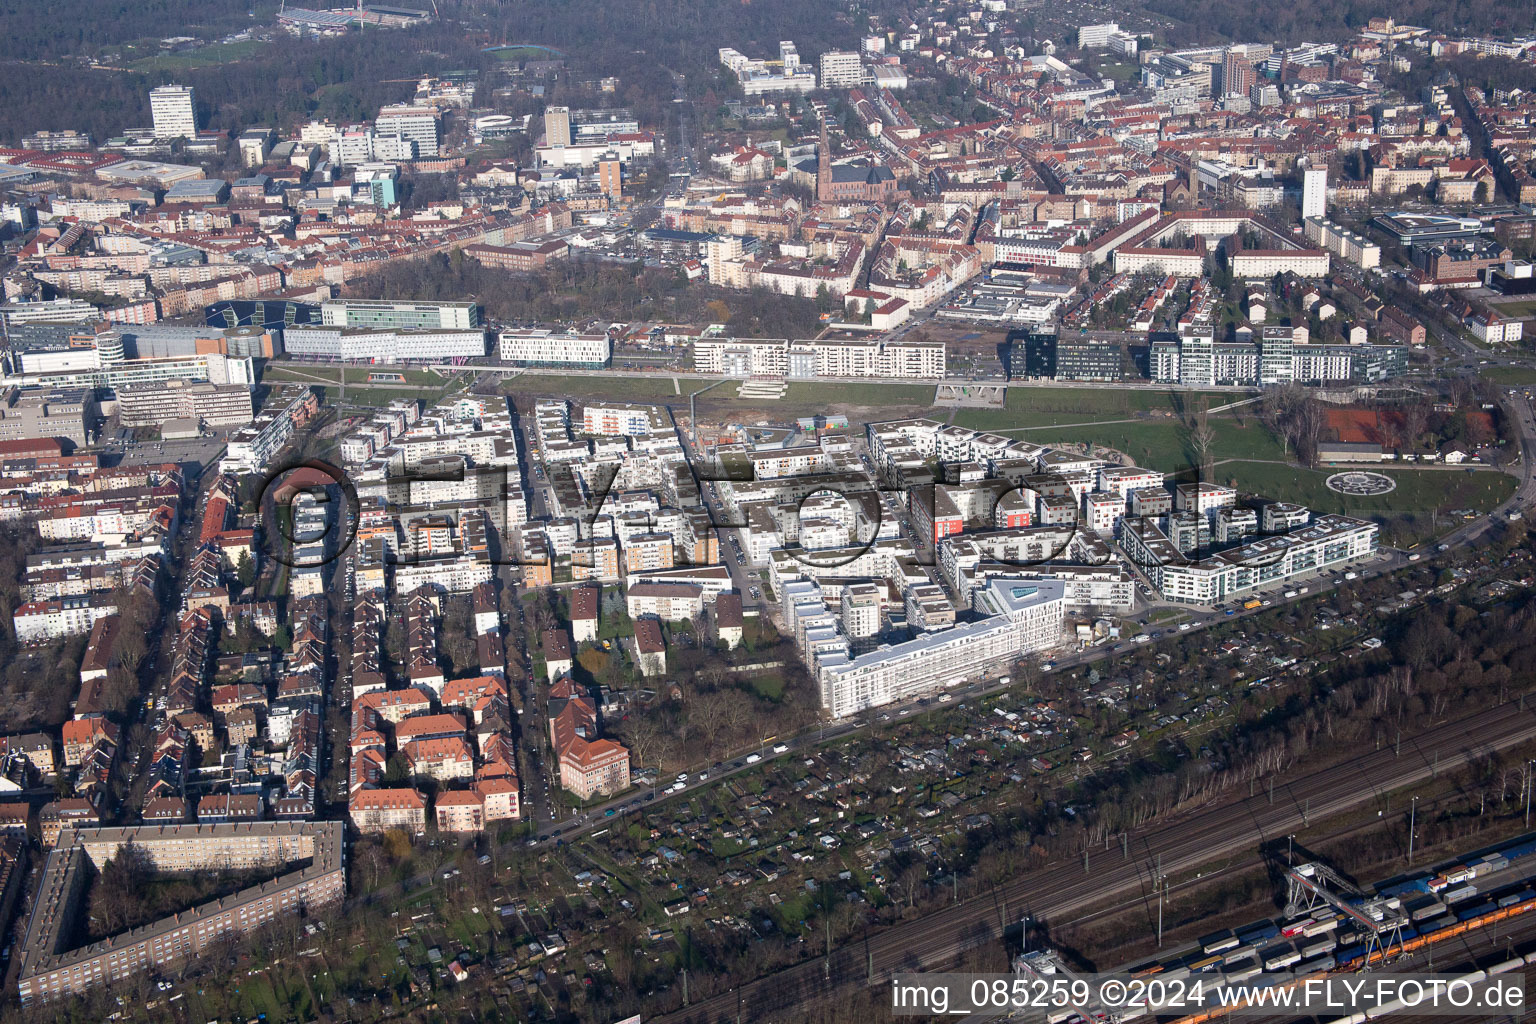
(589, 766)
(442, 758)
(378, 810)
(81, 734)
(499, 797)
(460, 810)
(428, 727)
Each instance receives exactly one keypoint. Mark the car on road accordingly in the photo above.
(1231, 611)
(1183, 626)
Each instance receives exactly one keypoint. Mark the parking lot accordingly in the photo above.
(197, 450)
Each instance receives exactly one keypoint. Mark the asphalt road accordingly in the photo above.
(1179, 843)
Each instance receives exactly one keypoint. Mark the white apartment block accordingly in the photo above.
(1122, 480)
(540, 347)
(1020, 619)
(773, 463)
(351, 146)
(250, 448)
(841, 69)
(46, 621)
(1096, 37)
(418, 124)
(888, 358)
(170, 107)
(1342, 242)
(1314, 193)
(1203, 497)
(1327, 541)
(456, 575)
(383, 346)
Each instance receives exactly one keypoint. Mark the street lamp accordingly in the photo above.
(1413, 817)
(1528, 792)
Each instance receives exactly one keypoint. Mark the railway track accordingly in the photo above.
(1179, 843)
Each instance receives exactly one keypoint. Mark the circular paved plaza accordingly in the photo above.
(1361, 483)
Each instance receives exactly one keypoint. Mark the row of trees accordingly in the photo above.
(576, 290)
(1199, 21)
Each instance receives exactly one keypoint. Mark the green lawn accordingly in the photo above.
(1412, 513)
(353, 374)
(1117, 70)
(206, 56)
(1164, 444)
(379, 397)
(769, 687)
(1044, 407)
(833, 394)
(628, 388)
(1509, 376)
(1517, 309)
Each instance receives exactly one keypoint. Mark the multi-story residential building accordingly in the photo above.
(216, 405)
(1019, 618)
(841, 69)
(589, 766)
(46, 621)
(1326, 541)
(414, 124)
(459, 810)
(669, 602)
(59, 412)
(171, 109)
(51, 968)
(1314, 194)
(379, 810)
(613, 420)
(251, 448)
(384, 345)
(1195, 360)
(443, 758)
(542, 347)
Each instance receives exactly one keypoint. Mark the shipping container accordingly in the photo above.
(1279, 956)
(1258, 932)
(1218, 941)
